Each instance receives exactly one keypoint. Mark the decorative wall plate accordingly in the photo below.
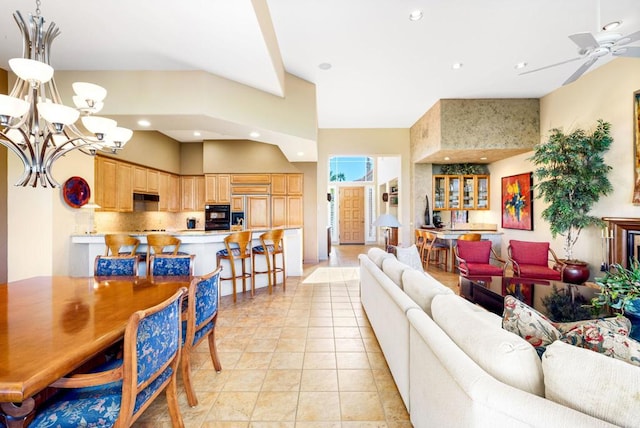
(76, 192)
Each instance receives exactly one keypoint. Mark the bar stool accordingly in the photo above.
(237, 248)
(434, 250)
(115, 243)
(271, 244)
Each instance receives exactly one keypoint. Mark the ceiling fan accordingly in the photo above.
(593, 47)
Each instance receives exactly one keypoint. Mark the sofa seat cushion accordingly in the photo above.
(504, 355)
(422, 288)
(394, 269)
(598, 338)
(591, 383)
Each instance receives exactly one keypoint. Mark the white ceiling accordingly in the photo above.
(386, 72)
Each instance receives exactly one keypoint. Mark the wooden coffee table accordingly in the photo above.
(489, 292)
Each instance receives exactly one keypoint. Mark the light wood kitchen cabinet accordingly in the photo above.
(145, 180)
(173, 201)
(258, 209)
(193, 192)
(286, 184)
(286, 211)
(237, 203)
(250, 189)
(217, 188)
(163, 191)
(461, 192)
(113, 185)
(250, 178)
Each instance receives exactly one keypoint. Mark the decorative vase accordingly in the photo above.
(632, 311)
(575, 272)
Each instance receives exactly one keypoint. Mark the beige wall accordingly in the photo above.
(605, 93)
(373, 142)
(152, 149)
(191, 159)
(243, 156)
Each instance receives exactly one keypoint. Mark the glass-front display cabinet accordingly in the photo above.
(455, 192)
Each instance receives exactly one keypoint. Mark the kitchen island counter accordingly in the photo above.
(204, 244)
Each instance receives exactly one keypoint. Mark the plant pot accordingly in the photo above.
(575, 272)
(632, 311)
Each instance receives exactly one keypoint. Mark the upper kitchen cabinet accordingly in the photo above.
(113, 185)
(145, 180)
(286, 184)
(193, 192)
(250, 178)
(455, 192)
(173, 204)
(218, 188)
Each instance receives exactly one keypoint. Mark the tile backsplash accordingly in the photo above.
(150, 220)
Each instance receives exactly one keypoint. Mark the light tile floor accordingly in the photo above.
(305, 357)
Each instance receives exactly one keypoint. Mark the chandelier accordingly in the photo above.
(35, 124)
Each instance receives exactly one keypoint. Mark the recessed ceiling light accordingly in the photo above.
(300, 153)
(416, 15)
(447, 158)
(483, 158)
(254, 134)
(612, 25)
(457, 65)
(324, 66)
(520, 65)
(144, 122)
(196, 134)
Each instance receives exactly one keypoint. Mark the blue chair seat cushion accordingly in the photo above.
(235, 251)
(95, 406)
(260, 249)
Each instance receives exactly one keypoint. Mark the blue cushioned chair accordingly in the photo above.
(116, 266)
(120, 391)
(271, 244)
(200, 324)
(237, 247)
(170, 265)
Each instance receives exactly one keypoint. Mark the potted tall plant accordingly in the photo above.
(572, 175)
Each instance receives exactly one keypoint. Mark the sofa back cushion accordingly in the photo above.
(504, 355)
(530, 253)
(592, 383)
(422, 288)
(377, 255)
(393, 269)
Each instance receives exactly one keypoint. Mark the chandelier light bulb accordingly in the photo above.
(99, 126)
(12, 106)
(31, 70)
(120, 135)
(83, 105)
(89, 91)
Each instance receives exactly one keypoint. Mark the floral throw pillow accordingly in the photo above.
(526, 322)
(596, 337)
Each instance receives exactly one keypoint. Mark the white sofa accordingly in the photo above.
(455, 366)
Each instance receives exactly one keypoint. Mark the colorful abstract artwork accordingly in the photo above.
(517, 201)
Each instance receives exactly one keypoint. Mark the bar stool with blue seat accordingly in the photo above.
(271, 244)
(237, 248)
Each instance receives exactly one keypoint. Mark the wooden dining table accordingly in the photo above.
(51, 325)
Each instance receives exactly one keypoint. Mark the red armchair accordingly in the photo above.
(474, 259)
(531, 260)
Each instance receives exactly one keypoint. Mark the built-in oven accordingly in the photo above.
(217, 217)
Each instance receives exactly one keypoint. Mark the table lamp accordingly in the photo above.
(387, 221)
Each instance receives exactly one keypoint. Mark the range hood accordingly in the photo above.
(145, 202)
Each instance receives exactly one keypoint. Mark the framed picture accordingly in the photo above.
(636, 148)
(517, 201)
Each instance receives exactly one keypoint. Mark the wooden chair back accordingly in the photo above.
(238, 244)
(158, 242)
(470, 237)
(116, 242)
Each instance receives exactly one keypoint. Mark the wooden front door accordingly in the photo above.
(351, 215)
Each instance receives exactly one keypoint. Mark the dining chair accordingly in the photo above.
(434, 250)
(531, 260)
(170, 265)
(237, 247)
(118, 244)
(116, 265)
(118, 392)
(474, 259)
(419, 240)
(200, 324)
(271, 244)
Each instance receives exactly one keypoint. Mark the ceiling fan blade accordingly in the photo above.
(631, 51)
(628, 39)
(580, 71)
(549, 66)
(585, 41)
